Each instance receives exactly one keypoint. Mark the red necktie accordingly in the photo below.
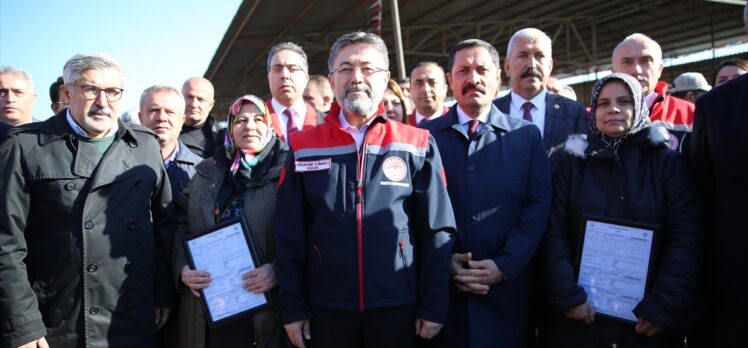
(290, 124)
(473, 129)
(527, 106)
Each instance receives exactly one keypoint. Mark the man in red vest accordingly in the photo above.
(641, 57)
(428, 90)
(288, 74)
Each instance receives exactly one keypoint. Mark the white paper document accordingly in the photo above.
(224, 254)
(614, 265)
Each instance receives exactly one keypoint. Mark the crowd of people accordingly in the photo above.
(379, 215)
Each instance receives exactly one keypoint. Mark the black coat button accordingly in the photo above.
(92, 267)
(131, 224)
(471, 168)
(136, 183)
(93, 310)
(70, 186)
(89, 225)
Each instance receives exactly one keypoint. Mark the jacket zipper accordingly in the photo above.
(361, 157)
(405, 262)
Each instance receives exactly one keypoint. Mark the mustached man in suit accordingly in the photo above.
(528, 64)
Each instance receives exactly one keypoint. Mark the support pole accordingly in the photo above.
(398, 40)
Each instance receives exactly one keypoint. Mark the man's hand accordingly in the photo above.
(294, 331)
(583, 313)
(427, 329)
(162, 316)
(260, 279)
(40, 343)
(474, 276)
(647, 328)
(195, 280)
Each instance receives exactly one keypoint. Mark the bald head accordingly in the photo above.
(198, 98)
(641, 57)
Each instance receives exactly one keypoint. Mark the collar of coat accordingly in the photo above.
(56, 127)
(496, 119)
(578, 146)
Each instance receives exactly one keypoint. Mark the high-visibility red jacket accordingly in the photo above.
(364, 228)
(676, 115)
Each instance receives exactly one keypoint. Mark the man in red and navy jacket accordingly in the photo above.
(641, 57)
(364, 243)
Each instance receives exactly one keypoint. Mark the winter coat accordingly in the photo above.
(646, 182)
(84, 244)
(196, 211)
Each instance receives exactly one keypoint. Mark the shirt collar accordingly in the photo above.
(420, 117)
(168, 161)
(299, 108)
(79, 131)
(463, 118)
(538, 100)
(344, 125)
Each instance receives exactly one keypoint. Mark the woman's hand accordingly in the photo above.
(195, 280)
(260, 279)
(583, 313)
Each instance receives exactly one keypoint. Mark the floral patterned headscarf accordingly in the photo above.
(641, 113)
(243, 157)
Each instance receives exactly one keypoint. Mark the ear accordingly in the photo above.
(551, 67)
(449, 82)
(64, 90)
(498, 86)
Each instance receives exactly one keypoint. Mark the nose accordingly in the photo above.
(638, 68)
(161, 116)
(101, 98)
(357, 75)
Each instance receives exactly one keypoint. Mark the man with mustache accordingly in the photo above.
(365, 237)
(162, 111)
(288, 75)
(500, 189)
(429, 89)
(17, 96)
(529, 63)
(641, 57)
(85, 241)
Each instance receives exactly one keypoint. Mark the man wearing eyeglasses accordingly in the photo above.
(288, 74)
(84, 237)
(365, 238)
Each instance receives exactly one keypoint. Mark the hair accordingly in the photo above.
(322, 83)
(529, 33)
(11, 70)
(394, 87)
(425, 63)
(740, 63)
(656, 53)
(470, 43)
(54, 90)
(159, 88)
(83, 61)
(358, 37)
(288, 46)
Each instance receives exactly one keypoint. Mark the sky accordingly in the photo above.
(155, 42)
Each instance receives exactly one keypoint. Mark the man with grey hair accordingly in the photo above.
(366, 229)
(641, 57)
(162, 111)
(85, 240)
(719, 156)
(500, 189)
(528, 64)
(17, 96)
(288, 74)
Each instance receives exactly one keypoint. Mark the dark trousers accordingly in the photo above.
(389, 327)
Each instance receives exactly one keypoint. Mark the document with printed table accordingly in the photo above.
(226, 252)
(614, 263)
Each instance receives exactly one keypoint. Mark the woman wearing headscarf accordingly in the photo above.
(622, 169)
(241, 180)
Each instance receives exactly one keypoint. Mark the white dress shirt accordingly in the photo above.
(420, 117)
(299, 114)
(537, 113)
(464, 119)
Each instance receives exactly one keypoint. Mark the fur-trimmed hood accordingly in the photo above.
(577, 144)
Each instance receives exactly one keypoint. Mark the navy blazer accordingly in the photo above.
(500, 188)
(563, 116)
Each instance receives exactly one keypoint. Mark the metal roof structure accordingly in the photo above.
(584, 32)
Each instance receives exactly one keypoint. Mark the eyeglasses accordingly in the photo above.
(346, 70)
(93, 92)
(292, 68)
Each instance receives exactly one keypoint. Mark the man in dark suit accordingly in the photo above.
(528, 64)
(719, 149)
(499, 184)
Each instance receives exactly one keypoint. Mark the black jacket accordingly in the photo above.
(84, 244)
(646, 182)
(203, 140)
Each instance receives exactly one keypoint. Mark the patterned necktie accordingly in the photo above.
(290, 124)
(473, 129)
(527, 106)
